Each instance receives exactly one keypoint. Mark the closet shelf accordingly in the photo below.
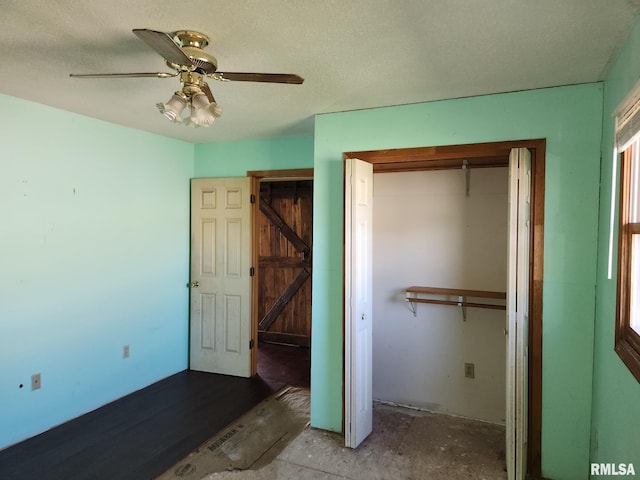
(462, 301)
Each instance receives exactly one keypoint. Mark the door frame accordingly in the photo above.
(486, 155)
(258, 176)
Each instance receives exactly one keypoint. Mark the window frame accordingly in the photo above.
(627, 340)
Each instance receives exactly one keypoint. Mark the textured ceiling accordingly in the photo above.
(353, 54)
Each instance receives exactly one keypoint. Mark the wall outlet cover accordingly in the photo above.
(469, 370)
(35, 381)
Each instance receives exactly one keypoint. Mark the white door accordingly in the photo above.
(220, 296)
(518, 312)
(358, 301)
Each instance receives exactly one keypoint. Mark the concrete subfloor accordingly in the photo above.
(405, 444)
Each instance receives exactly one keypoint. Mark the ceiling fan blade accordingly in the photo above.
(163, 44)
(123, 75)
(259, 77)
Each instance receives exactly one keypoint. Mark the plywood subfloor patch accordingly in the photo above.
(252, 441)
(405, 444)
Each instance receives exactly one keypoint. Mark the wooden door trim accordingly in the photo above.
(255, 251)
(256, 177)
(484, 155)
(291, 174)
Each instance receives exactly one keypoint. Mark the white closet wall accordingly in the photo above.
(426, 232)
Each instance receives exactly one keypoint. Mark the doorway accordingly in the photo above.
(474, 156)
(250, 275)
(282, 239)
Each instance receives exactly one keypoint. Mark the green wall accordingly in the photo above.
(234, 159)
(94, 245)
(616, 393)
(570, 119)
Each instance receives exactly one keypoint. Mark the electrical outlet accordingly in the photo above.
(469, 370)
(35, 381)
(125, 351)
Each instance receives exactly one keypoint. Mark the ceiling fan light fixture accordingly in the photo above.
(199, 100)
(203, 112)
(174, 107)
(215, 109)
(200, 117)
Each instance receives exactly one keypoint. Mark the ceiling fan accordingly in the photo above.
(183, 52)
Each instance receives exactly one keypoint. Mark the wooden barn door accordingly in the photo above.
(284, 255)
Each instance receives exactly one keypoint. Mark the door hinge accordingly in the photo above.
(251, 344)
(252, 271)
(252, 198)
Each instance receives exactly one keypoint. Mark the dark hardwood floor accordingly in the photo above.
(278, 364)
(143, 434)
(139, 436)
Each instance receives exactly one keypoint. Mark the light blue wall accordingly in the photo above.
(570, 119)
(94, 244)
(616, 393)
(234, 159)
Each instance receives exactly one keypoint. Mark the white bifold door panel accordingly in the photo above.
(358, 301)
(220, 286)
(518, 312)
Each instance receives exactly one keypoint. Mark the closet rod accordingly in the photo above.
(413, 299)
(457, 304)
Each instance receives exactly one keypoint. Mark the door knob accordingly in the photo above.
(194, 284)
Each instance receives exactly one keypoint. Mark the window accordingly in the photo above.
(628, 316)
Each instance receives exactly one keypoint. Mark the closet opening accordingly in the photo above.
(281, 310)
(440, 248)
